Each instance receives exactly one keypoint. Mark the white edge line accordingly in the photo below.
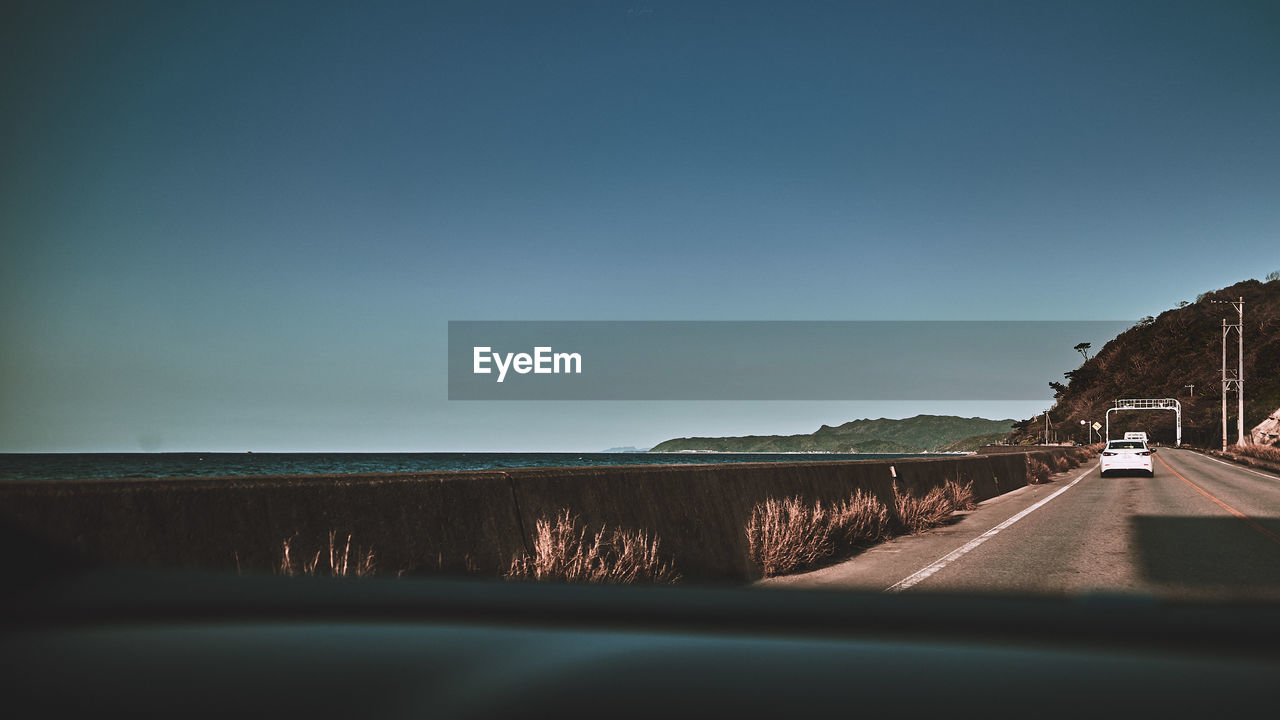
(1238, 467)
(952, 556)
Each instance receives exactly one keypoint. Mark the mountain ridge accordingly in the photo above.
(921, 433)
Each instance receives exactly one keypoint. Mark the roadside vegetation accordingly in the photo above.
(1267, 453)
(1037, 472)
(563, 551)
(791, 534)
(338, 562)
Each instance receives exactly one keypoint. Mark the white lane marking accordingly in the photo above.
(952, 556)
(1238, 467)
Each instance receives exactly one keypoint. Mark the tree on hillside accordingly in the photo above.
(1083, 349)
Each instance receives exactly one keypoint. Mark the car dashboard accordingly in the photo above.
(195, 645)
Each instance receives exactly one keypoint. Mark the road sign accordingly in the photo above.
(1097, 426)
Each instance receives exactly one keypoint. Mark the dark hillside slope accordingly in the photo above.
(1159, 357)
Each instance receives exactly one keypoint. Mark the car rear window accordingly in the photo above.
(1126, 445)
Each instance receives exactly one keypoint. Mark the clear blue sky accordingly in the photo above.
(244, 226)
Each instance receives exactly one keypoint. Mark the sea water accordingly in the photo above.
(51, 466)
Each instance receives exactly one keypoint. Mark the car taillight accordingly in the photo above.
(1109, 453)
(1145, 452)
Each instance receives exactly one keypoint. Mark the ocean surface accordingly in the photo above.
(51, 466)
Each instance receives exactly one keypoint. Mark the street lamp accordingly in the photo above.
(1085, 423)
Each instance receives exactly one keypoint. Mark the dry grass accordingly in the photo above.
(786, 535)
(1037, 472)
(861, 519)
(791, 534)
(917, 514)
(448, 567)
(960, 495)
(1262, 452)
(340, 562)
(563, 552)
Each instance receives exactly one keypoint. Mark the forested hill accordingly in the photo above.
(1161, 357)
(922, 433)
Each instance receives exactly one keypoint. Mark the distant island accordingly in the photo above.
(922, 433)
(627, 449)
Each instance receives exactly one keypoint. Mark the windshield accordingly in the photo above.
(739, 294)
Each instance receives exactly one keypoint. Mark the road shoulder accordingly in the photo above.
(882, 566)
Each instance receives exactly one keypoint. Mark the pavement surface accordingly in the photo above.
(1201, 528)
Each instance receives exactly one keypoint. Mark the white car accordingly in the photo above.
(1121, 455)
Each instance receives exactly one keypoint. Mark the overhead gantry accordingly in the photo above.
(1148, 404)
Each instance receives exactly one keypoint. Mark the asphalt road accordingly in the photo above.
(1201, 528)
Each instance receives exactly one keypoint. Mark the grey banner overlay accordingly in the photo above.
(770, 360)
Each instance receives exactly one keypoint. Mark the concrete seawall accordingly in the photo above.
(1003, 449)
(456, 522)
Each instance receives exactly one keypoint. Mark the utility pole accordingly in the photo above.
(1193, 389)
(1046, 427)
(1233, 379)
